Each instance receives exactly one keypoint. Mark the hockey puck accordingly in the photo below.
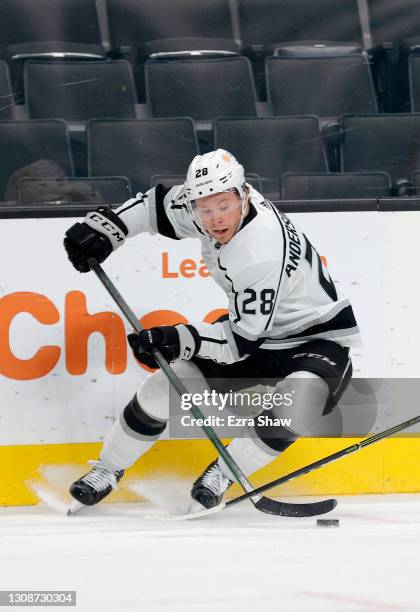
(328, 522)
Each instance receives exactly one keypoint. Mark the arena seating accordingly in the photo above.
(295, 72)
(112, 190)
(140, 29)
(268, 23)
(415, 180)
(78, 91)
(394, 29)
(138, 149)
(270, 146)
(43, 28)
(201, 89)
(414, 82)
(335, 185)
(23, 143)
(6, 93)
(393, 21)
(389, 143)
(65, 26)
(286, 84)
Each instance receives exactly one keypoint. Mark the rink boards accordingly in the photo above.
(65, 371)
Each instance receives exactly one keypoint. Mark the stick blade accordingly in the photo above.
(271, 506)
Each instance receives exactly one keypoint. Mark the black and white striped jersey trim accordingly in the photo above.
(338, 322)
(235, 293)
(282, 265)
(138, 201)
(165, 227)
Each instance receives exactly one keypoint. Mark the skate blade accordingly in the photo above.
(185, 517)
(74, 507)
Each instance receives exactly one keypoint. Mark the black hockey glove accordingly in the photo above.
(101, 233)
(180, 341)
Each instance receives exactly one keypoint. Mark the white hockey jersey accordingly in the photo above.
(279, 291)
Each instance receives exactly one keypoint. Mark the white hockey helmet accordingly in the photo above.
(211, 173)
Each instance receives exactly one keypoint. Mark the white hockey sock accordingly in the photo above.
(248, 455)
(122, 447)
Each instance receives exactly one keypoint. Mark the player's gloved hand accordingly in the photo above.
(101, 232)
(176, 341)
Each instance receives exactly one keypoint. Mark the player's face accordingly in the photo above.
(220, 214)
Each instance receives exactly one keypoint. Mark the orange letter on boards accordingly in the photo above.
(46, 358)
(80, 325)
(188, 268)
(203, 270)
(165, 270)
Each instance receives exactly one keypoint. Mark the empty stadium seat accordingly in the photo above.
(414, 81)
(265, 24)
(387, 143)
(29, 28)
(32, 148)
(393, 21)
(78, 91)
(6, 93)
(395, 33)
(201, 89)
(326, 80)
(109, 190)
(141, 148)
(415, 179)
(43, 29)
(134, 22)
(140, 28)
(270, 146)
(335, 186)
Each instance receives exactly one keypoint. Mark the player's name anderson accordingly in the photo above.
(234, 421)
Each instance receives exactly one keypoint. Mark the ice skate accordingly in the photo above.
(209, 488)
(95, 485)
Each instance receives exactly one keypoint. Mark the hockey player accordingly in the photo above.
(286, 320)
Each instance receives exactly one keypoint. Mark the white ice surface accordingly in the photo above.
(237, 560)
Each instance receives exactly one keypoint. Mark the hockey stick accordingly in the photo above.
(305, 470)
(263, 504)
(328, 459)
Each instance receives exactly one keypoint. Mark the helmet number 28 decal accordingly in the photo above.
(201, 172)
